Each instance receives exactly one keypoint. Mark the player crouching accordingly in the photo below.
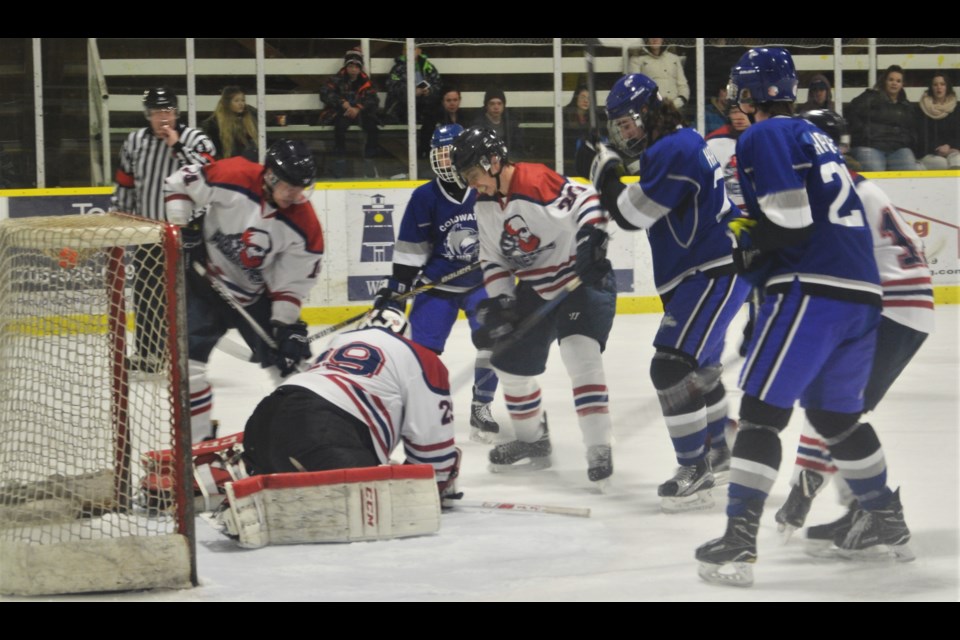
(371, 389)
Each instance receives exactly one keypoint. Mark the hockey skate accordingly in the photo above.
(600, 465)
(793, 513)
(719, 459)
(688, 490)
(820, 537)
(729, 560)
(877, 534)
(483, 428)
(506, 456)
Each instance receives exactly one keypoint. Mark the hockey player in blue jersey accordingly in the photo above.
(438, 235)
(681, 202)
(806, 242)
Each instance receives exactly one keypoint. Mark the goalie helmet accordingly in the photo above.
(440, 146)
(763, 75)
(476, 147)
(161, 98)
(832, 124)
(292, 162)
(633, 96)
(387, 318)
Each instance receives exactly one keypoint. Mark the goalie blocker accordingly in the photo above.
(346, 505)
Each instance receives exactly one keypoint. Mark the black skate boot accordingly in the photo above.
(483, 428)
(793, 513)
(688, 490)
(504, 457)
(820, 537)
(878, 533)
(600, 465)
(729, 560)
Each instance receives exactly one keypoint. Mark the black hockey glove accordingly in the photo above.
(592, 264)
(292, 345)
(498, 318)
(448, 490)
(191, 238)
(747, 258)
(387, 296)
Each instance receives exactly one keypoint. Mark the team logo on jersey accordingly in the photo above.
(731, 181)
(248, 249)
(461, 243)
(517, 241)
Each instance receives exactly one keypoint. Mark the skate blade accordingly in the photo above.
(876, 553)
(786, 531)
(524, 465)
(483, 437)
(603, 485)
(731, 574)
(695, 502)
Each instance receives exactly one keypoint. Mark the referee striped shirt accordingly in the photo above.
(146, 161)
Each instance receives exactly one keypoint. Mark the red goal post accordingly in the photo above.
(79, 295)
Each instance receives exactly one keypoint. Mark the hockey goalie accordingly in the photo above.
(313, 463)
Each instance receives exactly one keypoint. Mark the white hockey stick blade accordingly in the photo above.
(235, 349)
(513, 507)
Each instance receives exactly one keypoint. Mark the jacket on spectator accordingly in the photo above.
(939, 124)
(666, 70)
(818, 79)
(397, 84)
(359, 93)
(878, 123)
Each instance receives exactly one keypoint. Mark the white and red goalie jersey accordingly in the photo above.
(532, 232)
(398, 388)
(253, 248)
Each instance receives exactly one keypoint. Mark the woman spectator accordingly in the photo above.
(939, 125)
(450, 112)
(663, 67)
(233, 126)
(576, 123)
(883, 125)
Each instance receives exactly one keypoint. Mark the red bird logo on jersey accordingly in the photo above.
(256, 246)
(517, 235)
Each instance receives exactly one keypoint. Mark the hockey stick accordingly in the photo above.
(513, 507)
(225, 294)
(534, 318)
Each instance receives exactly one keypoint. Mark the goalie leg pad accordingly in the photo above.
(346, 505)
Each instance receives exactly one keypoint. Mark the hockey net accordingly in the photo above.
(88, 304)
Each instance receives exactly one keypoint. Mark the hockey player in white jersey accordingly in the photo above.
(541, 236)
(371, 390)
(906, 321)
(261, 240)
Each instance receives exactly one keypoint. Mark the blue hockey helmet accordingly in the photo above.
(440, 146)
(630, 101)
(763, 75)
(477, 146)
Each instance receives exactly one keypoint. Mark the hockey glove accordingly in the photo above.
(745, 254)
(191, 236)
(497, 317)
(592, 264)
(292, 346)
(387, 296)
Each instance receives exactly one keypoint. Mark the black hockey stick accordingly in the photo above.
(229, 299)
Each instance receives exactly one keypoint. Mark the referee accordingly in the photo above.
(147, 157)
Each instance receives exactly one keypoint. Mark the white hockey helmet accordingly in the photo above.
(388, 318)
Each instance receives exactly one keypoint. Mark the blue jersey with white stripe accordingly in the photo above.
(438, 234)
(793, 175)
(682, 202)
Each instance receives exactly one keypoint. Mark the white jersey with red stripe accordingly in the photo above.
(400, 389)
(904, 274)
(532, 232)
(253, 248)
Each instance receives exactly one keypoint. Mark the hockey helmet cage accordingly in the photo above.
(765, 74)
(440, 146)
(292, 162)
(387, 318)
(633, 95)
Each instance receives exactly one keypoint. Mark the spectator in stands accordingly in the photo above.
(819, 95)
(350, 98)
(665, 68)
(715, 112)
(450, 112)
(495, 116)
(883, 125)
(576, 124)
(233, 126)
(427, 85)
(939, 125)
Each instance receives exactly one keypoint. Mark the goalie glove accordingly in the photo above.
(292, 345)
(592, 264)
(387, 296)
(498, 317)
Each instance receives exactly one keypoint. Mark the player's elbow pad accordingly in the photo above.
(179, 209)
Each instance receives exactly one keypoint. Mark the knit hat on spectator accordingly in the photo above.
(494, 93)
(354, 56)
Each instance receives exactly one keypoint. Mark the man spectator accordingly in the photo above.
(427, 85)
(495, 116)
(350, 98)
